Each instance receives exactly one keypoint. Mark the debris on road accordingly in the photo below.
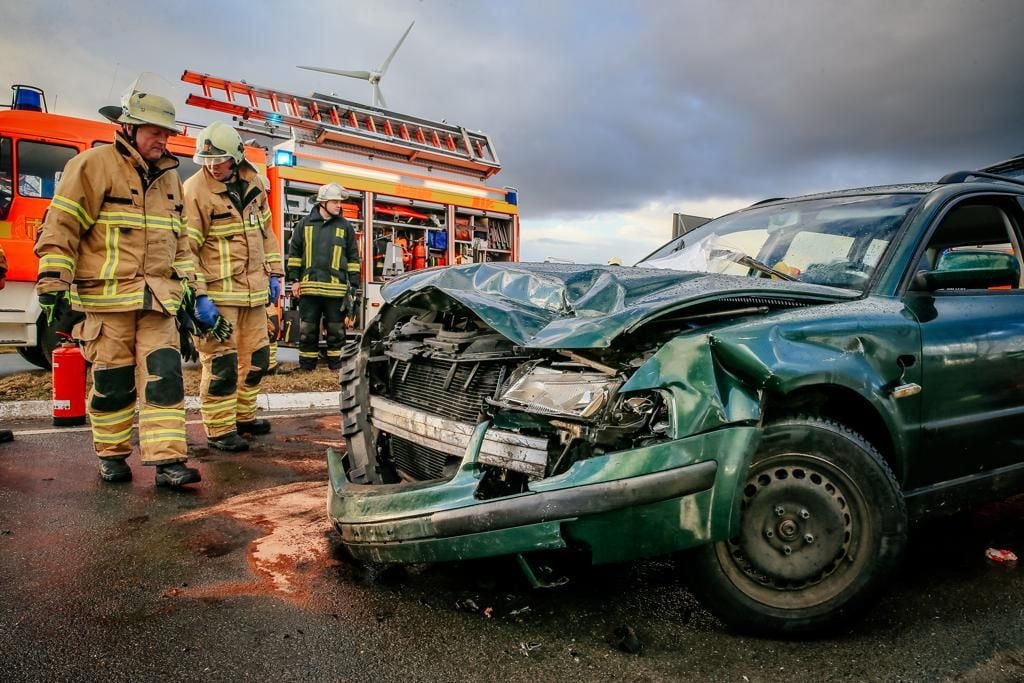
(1001, 556)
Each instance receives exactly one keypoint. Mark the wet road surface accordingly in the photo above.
(242, 579)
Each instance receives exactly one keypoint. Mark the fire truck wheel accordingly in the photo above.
(46, 341)
(35, 356)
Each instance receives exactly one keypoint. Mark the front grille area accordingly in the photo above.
(417, 461)
(425, 385)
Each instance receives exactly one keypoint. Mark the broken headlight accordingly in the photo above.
(548, 391)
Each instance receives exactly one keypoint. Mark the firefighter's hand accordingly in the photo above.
(295, 289)
(275, 289)
(54, 305)
(206, 312)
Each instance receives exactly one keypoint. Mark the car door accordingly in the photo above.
(972, 348)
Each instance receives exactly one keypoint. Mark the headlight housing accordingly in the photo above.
(565, 393)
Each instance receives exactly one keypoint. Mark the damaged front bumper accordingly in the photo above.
(623, 505)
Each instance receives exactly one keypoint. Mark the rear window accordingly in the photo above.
(40, 165)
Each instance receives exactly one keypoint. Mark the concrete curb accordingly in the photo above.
(275, 402)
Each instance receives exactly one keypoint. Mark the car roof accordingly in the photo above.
(1013, 184)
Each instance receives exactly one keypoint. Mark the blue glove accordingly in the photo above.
(206, 311)
(275, 289)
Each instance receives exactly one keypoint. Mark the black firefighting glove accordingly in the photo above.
(60, 318)
(222, 329)
(54, 305)
(186, 331)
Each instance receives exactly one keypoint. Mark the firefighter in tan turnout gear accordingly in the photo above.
(323, 266)
(238, 266)
(113, 244)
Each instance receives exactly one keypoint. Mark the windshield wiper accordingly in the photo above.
(751, 262)
(763, 267)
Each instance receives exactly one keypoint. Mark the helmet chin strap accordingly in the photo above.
(129, 132)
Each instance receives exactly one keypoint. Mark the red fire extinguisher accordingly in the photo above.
(68, 385)
(419, 256)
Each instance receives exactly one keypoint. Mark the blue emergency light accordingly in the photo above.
(283, 157)
(511, 196)
(27, 98)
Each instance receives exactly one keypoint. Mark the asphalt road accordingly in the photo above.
(242, 579)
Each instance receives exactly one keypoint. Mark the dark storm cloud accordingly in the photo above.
(603, 106)
(597, 106)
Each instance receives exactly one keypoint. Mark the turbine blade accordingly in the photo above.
(365, 75)
(387, 62)
(378, 97)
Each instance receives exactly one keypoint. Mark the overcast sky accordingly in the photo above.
(608, 116)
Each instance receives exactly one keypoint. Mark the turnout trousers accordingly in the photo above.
(135, 356)
(233, 370)
(311, 309)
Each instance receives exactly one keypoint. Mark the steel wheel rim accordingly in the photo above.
(816, 498)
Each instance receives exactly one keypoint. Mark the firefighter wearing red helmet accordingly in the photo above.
(113, 245)
(238, 266)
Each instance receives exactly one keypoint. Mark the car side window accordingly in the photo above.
(975, 235)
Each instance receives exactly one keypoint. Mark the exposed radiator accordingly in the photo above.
(417, 461)
(434, 387)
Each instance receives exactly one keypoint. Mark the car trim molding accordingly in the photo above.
(578, 501)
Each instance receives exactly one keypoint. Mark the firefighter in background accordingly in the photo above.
(115, 230)
(238, 266)
(323, 266)
(273, 332)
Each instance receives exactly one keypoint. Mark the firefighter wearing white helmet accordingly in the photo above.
(323, 266)
(116, 231)
(238, 272)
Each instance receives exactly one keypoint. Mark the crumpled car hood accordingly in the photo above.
(547, 305)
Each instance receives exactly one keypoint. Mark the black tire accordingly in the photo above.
(360, 460)
(46, 341)
(823, 525)
(35, 356)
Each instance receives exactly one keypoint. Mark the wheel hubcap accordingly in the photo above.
(796, 527)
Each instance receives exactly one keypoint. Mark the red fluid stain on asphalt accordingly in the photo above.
(293, 519)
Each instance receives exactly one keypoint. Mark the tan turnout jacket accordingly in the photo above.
(235, 252)
(120, 240)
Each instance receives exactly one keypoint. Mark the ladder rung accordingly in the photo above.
(359, 125)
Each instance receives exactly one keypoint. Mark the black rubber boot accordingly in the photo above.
(6, 435)
(231, 442)
(304, 367)
(176, 474)
(257, 426)
(115, 469)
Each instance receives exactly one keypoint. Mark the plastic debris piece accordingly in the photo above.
(1000, 556)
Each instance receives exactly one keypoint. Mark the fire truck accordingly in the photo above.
(421, 193)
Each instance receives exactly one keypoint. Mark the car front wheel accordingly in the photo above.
(823, 525)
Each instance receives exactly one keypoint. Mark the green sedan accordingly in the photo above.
(778, 393)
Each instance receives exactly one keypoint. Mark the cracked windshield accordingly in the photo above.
(836, 241)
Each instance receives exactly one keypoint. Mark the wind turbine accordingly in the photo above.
(373, 77)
